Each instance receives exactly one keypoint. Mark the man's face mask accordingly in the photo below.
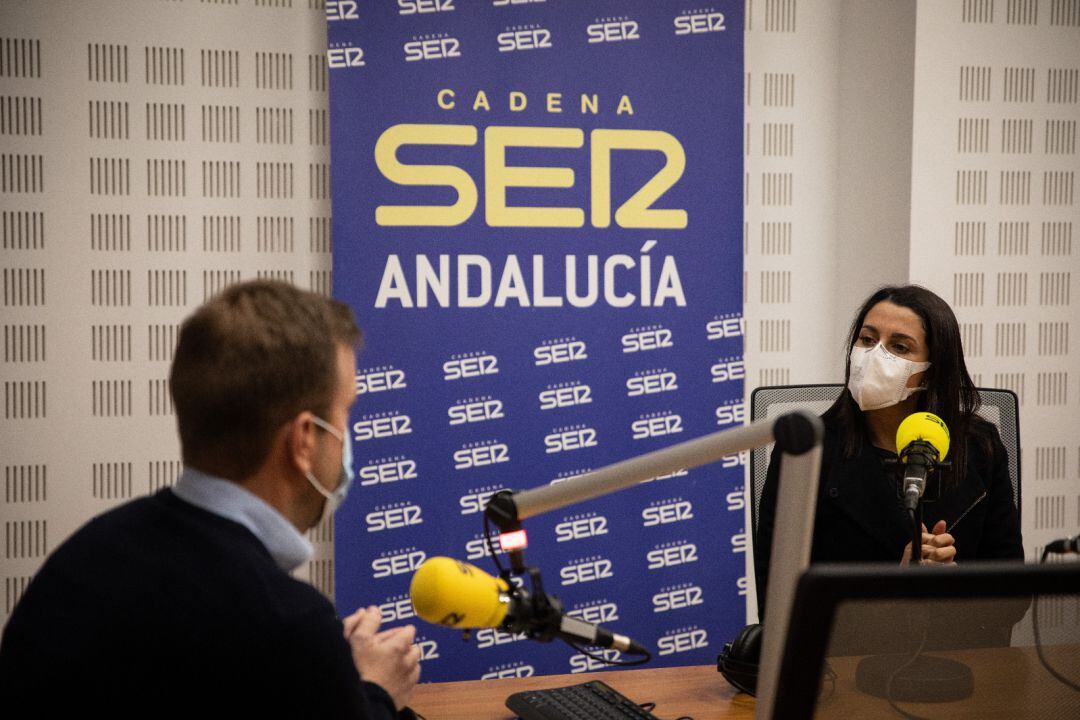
(879, 378)
(335, 498)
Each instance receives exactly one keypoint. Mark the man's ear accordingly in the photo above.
(300, 441)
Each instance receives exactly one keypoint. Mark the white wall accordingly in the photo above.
(162, 149)
(995, 220)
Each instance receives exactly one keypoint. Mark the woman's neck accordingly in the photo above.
(882, 424)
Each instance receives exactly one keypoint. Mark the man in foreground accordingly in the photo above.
(182, 602)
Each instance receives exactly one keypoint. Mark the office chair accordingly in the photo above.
(1000, 407)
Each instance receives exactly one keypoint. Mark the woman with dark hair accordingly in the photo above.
(904, 356)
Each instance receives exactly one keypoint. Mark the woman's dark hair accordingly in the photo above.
(950, 394)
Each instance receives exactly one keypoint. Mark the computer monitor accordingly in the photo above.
(868, 641)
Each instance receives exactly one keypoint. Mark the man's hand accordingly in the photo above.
(389, 658)
(937, 547)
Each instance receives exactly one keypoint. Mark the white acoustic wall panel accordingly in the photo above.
(152, 152)
(995, 219)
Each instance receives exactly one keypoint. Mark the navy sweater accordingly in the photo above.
(162, 608)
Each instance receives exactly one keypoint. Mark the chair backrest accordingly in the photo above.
(1000, 407)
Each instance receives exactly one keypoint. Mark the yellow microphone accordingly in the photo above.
(925, 427)
(449, 592)
(446, 591)
(922, 441)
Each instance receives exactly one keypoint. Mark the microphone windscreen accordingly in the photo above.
(446, 591)
(923, 426)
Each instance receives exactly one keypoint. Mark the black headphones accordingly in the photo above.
(738, 661)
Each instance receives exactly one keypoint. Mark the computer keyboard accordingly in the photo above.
(588, 701)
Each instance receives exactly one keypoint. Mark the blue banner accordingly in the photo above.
(537, 217)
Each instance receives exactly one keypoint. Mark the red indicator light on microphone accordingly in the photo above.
(513, 541)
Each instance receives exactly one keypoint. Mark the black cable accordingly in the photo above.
(915, 558)
(914, 656)
(600, 658)
(491, 545)
(1038, 642)
(827, 676)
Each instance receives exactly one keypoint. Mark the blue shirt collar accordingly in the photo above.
(227, 499)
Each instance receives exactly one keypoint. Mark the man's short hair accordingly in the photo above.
(248, 361)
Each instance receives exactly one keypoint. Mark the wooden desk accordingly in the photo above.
(698, 691)
(1009, 683)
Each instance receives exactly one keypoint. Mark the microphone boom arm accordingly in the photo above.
(794, 433)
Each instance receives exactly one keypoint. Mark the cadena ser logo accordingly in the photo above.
(677, 597)
(695, 22)
(656, 424)
(397, 562)
(682, 640)
(739, 542)
(474, 410)
(490, 637)
(387, 470)
(469, 365)
(344, 55)
(381, 425)
(578, 527)
(612, 29)
(476, 499)
(725, 326)
(380, 379)
(601, 659)
(739, 459)
(422, 7)
(564, 475)
(652, 337)
(736, 499)
(682, 472)
(505, 3)
(337, 10)
(725, 369)
(517, 669)
(665, 512)
(566, 394)
(395, 608)
(432, 47)
(560, 350)
(571, 437)
(670, 554)
(481, 454)
(429, 649)
(394, 516)
(585, 570)
(524, 37)
(731, 413)
(651, 382)
(478, 547)
(742, 584)
(597, 612)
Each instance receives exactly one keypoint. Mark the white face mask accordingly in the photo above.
(337, 496)
(879, 378)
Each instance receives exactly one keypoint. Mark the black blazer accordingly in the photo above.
(860, 518)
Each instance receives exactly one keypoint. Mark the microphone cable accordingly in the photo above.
(1058, 547)
(503, 573)
(600, 658)
(904, 666)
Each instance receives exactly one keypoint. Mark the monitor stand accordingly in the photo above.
(922, 678)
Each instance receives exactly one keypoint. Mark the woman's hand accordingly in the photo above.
(937, 547)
